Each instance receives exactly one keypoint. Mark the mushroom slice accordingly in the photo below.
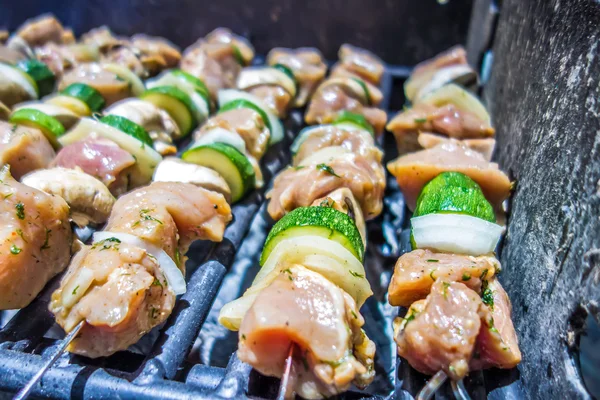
(89, 199)
(173, 169)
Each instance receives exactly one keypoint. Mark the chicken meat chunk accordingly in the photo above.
(414, 170)
(157, 122)
(35, 240)
(447, 121)
(361, 62)
(315, 178)
(100, 158)
(43, 29)
(119, 287)
(111, 87)
(303, 308)
(307, 65)
(416, 271)
(439, 333)
(24, 149)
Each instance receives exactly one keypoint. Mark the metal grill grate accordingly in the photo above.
(168, 365)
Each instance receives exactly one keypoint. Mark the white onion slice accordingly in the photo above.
(175, 278)
(456, 233)
(220, 135)
(442, 77)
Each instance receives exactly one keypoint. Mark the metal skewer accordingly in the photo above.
(459, 390)
(282, 395)
(26, 391)
(432, 386)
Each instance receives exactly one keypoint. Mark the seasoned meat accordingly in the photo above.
(214, 59)
(196, 61)
(35, 240)
(483, 146)
(102, 38)
(414, 170)
(376, 95)
(157, 122)
(128, 58)
(306, 64)
(300, 186)
(100, 158)
(302, 307)
(330, 100)
(157, 46)
(446, 120)
(440, 332)
(358, 142)
(416, 271)
(497, 343)
(110, 86)
(173, 169)
(275, 97)
(89, 199)
(3, 36)
(41, 30)
(24, 149)
(343, 200)
(118, 288)
(361, 62)
(245, 122)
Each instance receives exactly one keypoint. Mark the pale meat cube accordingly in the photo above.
(416, 271)
(358, 142)
(361, 62)
(340, 70)
(497, 343)
(247, 123)
(301, 307)
(306, 64)
(103, 38)
(414, 170)
(118, 288)
(35, 240)
(100, 158)
(275, 97)
(24, 149)
(157, 122)
(111, 87)
(157, 46)
(440, 333)
(483, 146)
(300, 186)
(330, 100)
(41, 30)
(446, 120)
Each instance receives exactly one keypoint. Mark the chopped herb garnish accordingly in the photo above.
(466, 277)
(243, 337)
(20, 233)
(145, 216)
(45, 245)
(433, 260)
(299, 167)
(6, 196)
(20, 210)
(327, 203)
(154, 311)
(105, 245)
(483, 274)
(14, 249)
(177, 256)
(354, 314)
(487, 295)
(327, 168)
(446, 286)
(215, 207)
(420, 120)
(410, 315)
(156, 282)
(431, 274)
(74, 292)
(452, 369)
(287, 271)
(356, 274)
(491, 324)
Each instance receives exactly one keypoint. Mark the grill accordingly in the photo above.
(191, 355)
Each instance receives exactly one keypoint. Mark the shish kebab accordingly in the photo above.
(458, 316)
(300, 319)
